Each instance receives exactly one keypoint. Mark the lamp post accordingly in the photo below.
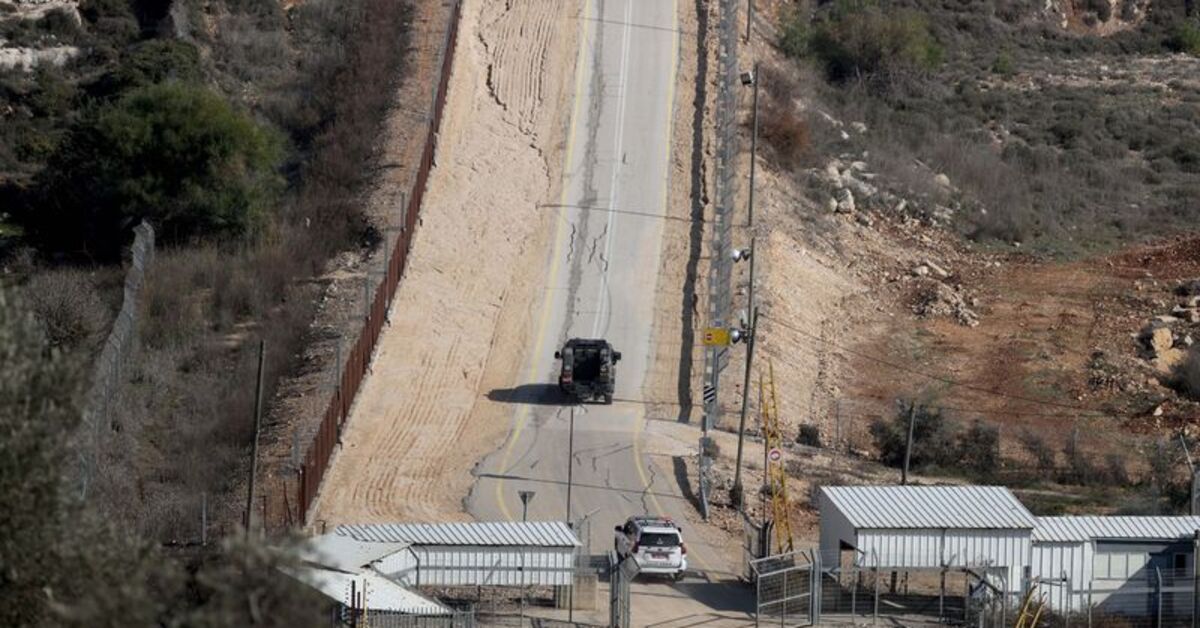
(526, 497)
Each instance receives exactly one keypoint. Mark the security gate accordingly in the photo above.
(784, 584)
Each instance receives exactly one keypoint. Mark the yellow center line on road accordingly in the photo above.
(523, 411)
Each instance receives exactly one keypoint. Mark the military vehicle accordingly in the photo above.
(588, 369)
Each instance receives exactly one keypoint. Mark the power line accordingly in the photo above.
(939, 378)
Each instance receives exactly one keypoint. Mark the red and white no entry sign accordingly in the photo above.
(774, 455)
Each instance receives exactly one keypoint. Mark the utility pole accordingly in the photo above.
(912, 419)
(738, 491)
(258, 393)
(749, 17)
(753, 140)
(570, 461)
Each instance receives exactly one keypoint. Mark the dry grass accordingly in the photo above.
(185, 420)
(67, 305)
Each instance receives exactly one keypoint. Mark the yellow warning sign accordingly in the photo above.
(716, 337)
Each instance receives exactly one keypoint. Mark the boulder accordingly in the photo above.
(942, 180)
(1158, 339)
(845, 203)
(831, 204)
(920, 271)
(858, 127)
(1166, 362)
(861, 188)
(938, 271)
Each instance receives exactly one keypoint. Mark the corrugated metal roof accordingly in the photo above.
(1075, 529)
(345, 553)
(910, 507)
(381, 594)
(485, 534)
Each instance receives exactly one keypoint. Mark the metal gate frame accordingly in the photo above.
(785, 585)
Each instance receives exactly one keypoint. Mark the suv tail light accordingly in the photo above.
(683, 548)
(634, 549)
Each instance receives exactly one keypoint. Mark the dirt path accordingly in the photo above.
(416, 430)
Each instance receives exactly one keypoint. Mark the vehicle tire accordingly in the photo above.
(677, 576)
(608, 399)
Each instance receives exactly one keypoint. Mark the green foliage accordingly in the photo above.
(794, 33)
(36, 415)
(153, 61)
(933, 441)
(1004, 65)
(979, 449)
(175, 154)
(859, 39)
(1185, 37)
(809, 435)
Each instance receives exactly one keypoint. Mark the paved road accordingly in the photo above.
(600, 282)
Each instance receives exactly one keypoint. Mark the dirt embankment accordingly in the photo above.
(419, 423)
(868, 297)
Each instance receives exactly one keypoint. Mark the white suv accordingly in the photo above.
(656, 544)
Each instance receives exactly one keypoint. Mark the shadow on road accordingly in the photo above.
(722, 597)
(685, 483)
(531, 394)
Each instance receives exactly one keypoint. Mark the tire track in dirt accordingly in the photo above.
(518, 40)
(414, 432)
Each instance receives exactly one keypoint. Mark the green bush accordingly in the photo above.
(858, 39)
(933, 440)
(794, 34)
(1185, 37)
(153, 61)
(979, 449)
(809, 435)
(175, 154)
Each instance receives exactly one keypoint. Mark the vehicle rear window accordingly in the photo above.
(659, 539)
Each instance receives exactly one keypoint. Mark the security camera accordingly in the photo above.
(747, 78)
(740, 254)
(739, 335)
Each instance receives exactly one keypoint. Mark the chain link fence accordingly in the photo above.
(379, 287)
(720, 266)
(117, 352)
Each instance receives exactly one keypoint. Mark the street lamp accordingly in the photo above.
(526, 497)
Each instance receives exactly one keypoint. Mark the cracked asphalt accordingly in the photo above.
(600, 281)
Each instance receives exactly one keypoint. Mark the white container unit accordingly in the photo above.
(926, 527)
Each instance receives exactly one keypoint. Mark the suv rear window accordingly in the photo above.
(659, 539)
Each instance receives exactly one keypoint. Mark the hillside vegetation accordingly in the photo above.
(237, 128)
(1069, 129)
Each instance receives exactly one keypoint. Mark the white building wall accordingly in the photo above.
(1051, 561)
(897, 549)
(835, 529)
(435, 565)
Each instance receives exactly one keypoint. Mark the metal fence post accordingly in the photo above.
(784, 611)
(875, 612)
(854, 593)
(1158, 597)
(1070, 602)
(1091, 584)
(757, 596)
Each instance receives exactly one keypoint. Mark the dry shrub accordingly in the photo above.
(786, 131)
(68, 307)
